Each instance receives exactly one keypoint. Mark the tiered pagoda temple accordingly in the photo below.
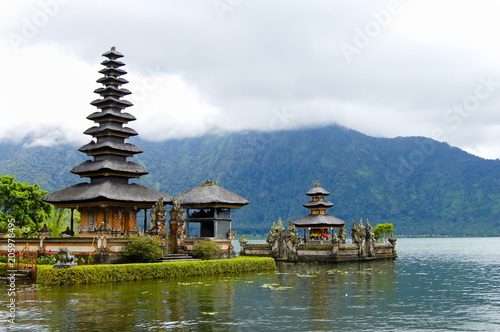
(318, 222)
(322, 245)
(109, 203)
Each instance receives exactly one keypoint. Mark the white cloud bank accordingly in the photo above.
(414, 67)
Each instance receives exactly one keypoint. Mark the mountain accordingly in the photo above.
(422, 186)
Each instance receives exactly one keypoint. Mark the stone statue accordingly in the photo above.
(353, 232)
(369, 238)
(277, 238)
(66, 259)
(342, 234)
(157, 222)
(293, 233)
(272, 234)
(231, 234)
(358, 233)
(157, 210)
(65, 256)
(243, 241)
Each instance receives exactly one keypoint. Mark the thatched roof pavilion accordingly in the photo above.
(210, 205)
(209, 194)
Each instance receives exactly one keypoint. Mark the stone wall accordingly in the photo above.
(103, 249)
(332, 252)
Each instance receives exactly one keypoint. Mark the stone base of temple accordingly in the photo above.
(102, 249)
(333, 253)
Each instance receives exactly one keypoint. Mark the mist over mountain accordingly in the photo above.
(422, 186)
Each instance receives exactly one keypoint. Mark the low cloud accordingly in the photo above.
(262, 66)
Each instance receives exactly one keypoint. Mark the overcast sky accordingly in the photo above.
(385, 68)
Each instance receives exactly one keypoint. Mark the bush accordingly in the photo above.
(93, 274)
(47, 260)
(143, 250)
(383, 231)
(205, 249)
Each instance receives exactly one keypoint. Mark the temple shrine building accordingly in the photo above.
(319, 223)
(109, 202)
(208, 214)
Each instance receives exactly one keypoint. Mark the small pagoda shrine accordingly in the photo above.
(208, 215)
(318, 223)
(109, 203)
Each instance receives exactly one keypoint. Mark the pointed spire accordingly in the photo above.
(110, 150)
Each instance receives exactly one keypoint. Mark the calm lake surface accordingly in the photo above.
(450, 284)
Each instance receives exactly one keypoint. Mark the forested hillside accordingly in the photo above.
(421, 186)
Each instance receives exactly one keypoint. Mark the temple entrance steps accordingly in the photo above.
(18, 275)
(176, 258)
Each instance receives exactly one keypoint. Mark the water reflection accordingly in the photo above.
(430, 287)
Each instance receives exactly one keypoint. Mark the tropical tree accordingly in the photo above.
(21, 202)
(383, 231)
(57, 220)
(60, 219)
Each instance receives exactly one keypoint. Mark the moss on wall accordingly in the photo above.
(89, 274)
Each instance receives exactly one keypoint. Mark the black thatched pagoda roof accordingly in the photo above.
(318, 204)
(112, 91)
(111, 114)
(213, 195)
(111, 102)
(112, 63)
(128, 168)
(112, 54)
(110, 171)
(107, 192)
(318, 220)
(110, 128)
(110, 80)
(93, 148)
(112, 71)
(317, 191)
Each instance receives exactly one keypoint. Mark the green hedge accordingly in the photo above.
(2, 270)
(92, 274)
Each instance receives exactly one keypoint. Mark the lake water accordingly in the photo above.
(435, 285)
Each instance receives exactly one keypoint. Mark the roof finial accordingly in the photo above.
(113, 48)
(316, 184)
(208, 183)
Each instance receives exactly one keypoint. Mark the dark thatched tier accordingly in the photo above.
(110, 128)
(106, 192)
(112, 54)
(126, 167)
(111, 102)
(112, 91)
(112, 63)
(111, 113)
(112, 71)
(318, 220)
(93, 147)
(317, 191)
(111, 80)
(318, 204)
(211, 196)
